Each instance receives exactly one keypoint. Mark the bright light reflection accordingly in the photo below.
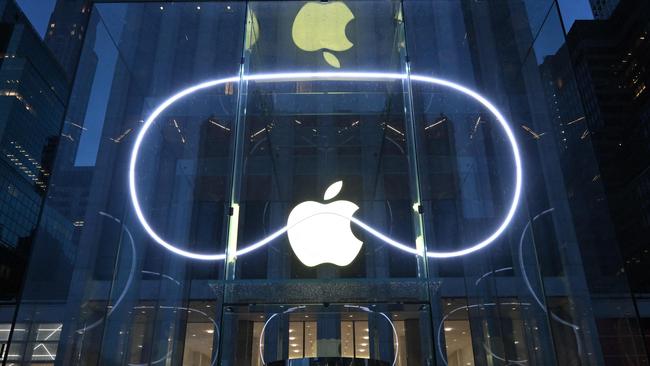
(334, 76)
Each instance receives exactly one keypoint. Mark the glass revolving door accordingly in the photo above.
(330, 361)
(341, 334)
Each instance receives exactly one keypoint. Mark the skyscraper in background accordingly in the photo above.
(65, 32)
(33, 95)
(603, 9)
(609, 76)
(611, 59)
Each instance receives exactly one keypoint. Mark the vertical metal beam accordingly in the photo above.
(414, 168)
(237, 153)
(414, 171)
(232, 228)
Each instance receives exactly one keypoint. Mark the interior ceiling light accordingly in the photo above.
(329, 76)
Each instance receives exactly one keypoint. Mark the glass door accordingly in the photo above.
(327, 334)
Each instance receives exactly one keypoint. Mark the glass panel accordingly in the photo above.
(311, 340)
(256, 359)
(296, 340)
(4, 332)
(361, 339)
(537, 289)
(301, 137)
(94, 269)
(295, 108)
(347, 339)
(198, 344)
(459, 342)
(313, 36)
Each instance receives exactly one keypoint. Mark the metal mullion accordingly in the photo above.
(414, 167)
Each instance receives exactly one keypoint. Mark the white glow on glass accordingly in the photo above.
(261, 344)
(524, 274)
(515, 153)
(334, 76)
(439, 338)
(129, 280)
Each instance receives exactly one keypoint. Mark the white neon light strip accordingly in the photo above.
(129, 281)
(333, 76)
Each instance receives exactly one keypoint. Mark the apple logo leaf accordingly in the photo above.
(333, 190)
(331, 59)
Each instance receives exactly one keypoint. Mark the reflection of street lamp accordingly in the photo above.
(436, 123)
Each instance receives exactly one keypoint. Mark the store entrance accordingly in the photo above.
(329, 361)
(319, 335)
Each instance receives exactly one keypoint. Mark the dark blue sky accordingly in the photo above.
(573, 10)
(38, 12)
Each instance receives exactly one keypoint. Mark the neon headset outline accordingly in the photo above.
(327, 76)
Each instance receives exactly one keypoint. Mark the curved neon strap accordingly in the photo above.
(334, 76)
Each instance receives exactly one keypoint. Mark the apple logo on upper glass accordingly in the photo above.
(321, 26)
(321, 233)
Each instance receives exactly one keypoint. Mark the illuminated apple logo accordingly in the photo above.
(320, 233)
(321, 26)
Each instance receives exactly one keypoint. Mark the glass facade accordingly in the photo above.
(325, 183)
(33, 94)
